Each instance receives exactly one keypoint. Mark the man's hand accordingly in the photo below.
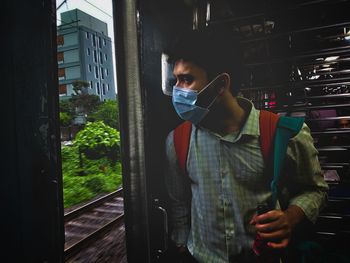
(276, 226)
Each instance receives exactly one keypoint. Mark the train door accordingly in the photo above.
(143, 28)
(31, 186)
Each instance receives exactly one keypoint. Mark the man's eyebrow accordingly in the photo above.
(185, 76)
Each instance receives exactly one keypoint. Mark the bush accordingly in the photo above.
(98, 139)
(100, 176)
(95, 184)
(74, 192)
(107, 112)
(65, 119)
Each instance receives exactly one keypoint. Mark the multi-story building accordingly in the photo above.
(84, 53)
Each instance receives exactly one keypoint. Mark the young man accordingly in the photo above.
(213, 206)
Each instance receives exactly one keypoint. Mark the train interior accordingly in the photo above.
(296, 63)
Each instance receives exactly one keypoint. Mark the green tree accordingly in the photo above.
(67, 106)
(67, 112)
(97, 140)
(65, 119)
(80, 86)
(108, 112)
(84, 102)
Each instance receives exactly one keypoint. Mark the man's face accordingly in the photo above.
(190, 76)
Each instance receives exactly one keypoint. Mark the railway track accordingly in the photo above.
(90, 222)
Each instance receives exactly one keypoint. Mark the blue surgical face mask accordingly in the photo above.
(184, 102)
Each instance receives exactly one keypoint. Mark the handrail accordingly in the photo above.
(260, 14)
(330, 132)
(331, 148)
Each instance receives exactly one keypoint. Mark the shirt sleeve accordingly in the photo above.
(179, 191)
(307, 187)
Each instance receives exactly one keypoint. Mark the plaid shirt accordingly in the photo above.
(227, 182)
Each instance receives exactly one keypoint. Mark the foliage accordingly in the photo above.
(80, 86)
(95, 150)
(101, 176)
(108, 112)
(67, 112)
(65, 119)
(85, 103)
(67, 106)
(98, 139)
(82, 101)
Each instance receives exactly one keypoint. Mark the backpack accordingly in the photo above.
(275, 132)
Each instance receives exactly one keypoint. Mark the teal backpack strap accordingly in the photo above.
(287, 128)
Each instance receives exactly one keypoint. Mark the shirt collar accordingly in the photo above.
(251, 126)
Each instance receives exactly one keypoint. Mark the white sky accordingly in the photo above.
(101, 9)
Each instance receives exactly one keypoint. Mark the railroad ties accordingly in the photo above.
(91, 222)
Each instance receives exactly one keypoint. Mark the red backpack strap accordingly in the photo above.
(268, 123)
(182, 136)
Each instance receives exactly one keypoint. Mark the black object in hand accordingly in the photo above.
(262, 208)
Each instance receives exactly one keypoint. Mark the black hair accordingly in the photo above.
(216, 50)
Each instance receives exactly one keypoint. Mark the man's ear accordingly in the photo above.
(226, 81)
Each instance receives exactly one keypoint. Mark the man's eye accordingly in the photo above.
(187, 79)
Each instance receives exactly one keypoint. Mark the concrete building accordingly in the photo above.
(84, 53)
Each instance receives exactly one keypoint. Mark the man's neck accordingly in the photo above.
(226, 117)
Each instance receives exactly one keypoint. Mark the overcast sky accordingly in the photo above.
(101, 9)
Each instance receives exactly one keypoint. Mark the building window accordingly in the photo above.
(87, 35)
(99, 42)
(71, 56)
(61, 73)
(91, 84)
(94, 40)
(60, 40)
(60, 57)
(96, 72)
(101, 58)
(102, 74)
(72, 72)
(95, 56)
(105, 57)
(106, 71)
(104, 42)
(88, 51)
(103, 89)
(107, 86)
(89, 66)
(98, 88)
(62, 90)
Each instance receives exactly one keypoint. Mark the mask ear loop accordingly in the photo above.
(211, 103)
(220, 92)
(211, 82)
